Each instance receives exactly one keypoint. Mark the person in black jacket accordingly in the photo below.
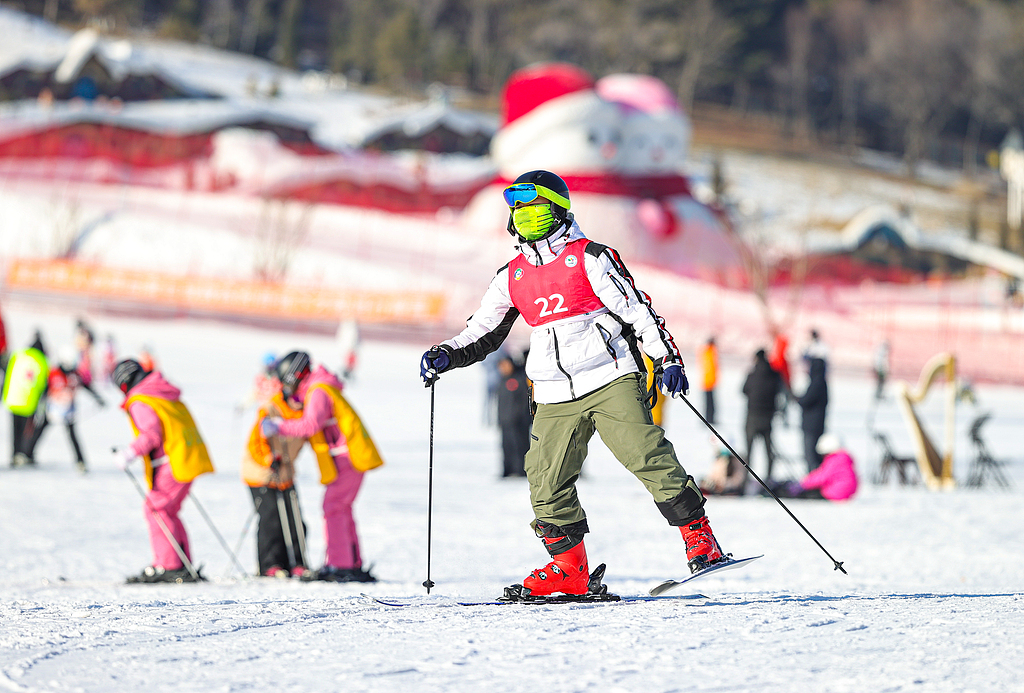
(813, 404)
(762, 388)
(513, 396)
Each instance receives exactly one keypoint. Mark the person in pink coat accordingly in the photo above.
(325, 414)
(835, 479)
(173, 454)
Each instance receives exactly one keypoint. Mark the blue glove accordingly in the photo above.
(673, 381)
(270, 427)
(435, 361)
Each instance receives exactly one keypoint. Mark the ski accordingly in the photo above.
(537, 601)
(729, 563)
(597, 593)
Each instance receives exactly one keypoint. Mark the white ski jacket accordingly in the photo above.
(575, 356)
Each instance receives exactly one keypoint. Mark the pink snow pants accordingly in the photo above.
(339, 524)
(164, 500)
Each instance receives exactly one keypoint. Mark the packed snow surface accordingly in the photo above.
(933, 600)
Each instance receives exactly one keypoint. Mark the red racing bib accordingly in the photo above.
(555, 291)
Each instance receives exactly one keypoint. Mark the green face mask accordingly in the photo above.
(533, 222)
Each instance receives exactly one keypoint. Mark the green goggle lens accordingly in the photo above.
(533, 222)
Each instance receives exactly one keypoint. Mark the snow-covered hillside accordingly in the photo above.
(933, 600)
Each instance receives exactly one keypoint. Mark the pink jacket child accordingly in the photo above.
(835, 479)
(320, 413)
(173, 453)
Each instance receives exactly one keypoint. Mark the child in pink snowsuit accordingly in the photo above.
(320, 413)
(835, 479)
(156, 411)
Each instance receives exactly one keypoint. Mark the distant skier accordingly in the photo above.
(816, 348)
(778, 360)
(709, 363)
(513, 415)
(589, 324)
(173, 455)
(25, 382)
(814, 406)
(64, 382)
(727, 475)
(881, 359)
(834, 480)
(762, 388)
(344, 451)
(264, 387)
(84, 341)
(348, 339)
(109, 358)
(3, 345)
(268, 468)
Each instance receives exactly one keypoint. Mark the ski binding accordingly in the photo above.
(596, 592)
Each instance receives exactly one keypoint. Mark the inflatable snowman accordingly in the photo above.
(620, 143)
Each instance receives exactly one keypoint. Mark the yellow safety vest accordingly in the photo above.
(186, 451)
(360, 447)
(25, 381)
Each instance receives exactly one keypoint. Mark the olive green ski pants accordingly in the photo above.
(617, 411)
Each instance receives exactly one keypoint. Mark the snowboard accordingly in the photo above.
(729, 564)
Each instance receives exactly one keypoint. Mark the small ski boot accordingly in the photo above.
(155, 574)
(702, 549)
(333, 574)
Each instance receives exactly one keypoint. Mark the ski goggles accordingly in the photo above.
(525, 193)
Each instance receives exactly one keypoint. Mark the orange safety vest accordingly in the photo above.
(259, 455)
(360, 447)
(186, 451)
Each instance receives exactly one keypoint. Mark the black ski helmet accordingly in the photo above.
(292, 369)
(127, 374)
(553, 182)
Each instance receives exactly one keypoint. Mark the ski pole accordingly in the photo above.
(300, 531)
(163, 527)
(217, 534)
(282, 508)
(428, 583)
(838, 564)
(286, 527)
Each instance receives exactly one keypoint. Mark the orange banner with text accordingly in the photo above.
(225, 296)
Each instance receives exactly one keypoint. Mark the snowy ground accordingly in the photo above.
(934, 599)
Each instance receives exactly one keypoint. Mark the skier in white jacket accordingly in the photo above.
(590, 323)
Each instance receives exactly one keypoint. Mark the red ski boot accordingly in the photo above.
(567, 573)
(702, 548)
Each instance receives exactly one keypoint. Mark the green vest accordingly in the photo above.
(25, 381)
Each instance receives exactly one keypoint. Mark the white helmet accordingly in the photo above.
(828, 443)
